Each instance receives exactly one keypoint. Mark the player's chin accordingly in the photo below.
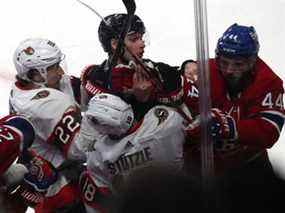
(54, 84)
(140, 55)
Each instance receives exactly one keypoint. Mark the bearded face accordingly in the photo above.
(236, 72)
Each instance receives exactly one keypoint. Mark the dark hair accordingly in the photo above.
(183, 65)
(116, 22)
(30, 75)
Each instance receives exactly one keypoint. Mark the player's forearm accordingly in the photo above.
(257, 132)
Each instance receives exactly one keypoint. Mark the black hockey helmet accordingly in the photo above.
(112, 27)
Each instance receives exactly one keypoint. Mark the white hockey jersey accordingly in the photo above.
(157, 141)
(54, 117)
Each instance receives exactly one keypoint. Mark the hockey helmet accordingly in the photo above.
(36, 54)
(238, 40)
(109, 114)
(112, 27)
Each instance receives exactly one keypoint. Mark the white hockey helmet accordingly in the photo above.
(38, 54)
(109, 114)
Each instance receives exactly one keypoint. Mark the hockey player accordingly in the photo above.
(118, 146)
(45, 96)
(248, 113)
(128, 78)
(16, 135)
(189, 69)
(189, 72)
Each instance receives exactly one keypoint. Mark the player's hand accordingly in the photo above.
(223, 126)
(142, 85)
(41, 174)
(193, 130)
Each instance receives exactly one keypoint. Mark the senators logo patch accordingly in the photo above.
(41, 94)
(29, 51)
(161, 114)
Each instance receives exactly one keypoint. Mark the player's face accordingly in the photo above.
(135, 44)
(191, 71)
(54, 75)
(235, 70)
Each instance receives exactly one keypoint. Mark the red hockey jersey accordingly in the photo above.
(258, 112)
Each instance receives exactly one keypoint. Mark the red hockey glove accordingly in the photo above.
(41, 173)
(130, 81)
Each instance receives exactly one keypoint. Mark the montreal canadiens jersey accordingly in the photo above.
(157, 141)
(258, 112)
(10, 139)
(53, 116)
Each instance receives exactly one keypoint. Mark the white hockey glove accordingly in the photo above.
(14, 175)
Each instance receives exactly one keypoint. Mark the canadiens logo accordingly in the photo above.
(29, 51)
(41, 94)
(161, 114)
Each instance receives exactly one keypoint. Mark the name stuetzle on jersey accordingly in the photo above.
(130, 161)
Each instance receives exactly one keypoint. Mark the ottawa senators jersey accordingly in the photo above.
(156, 141)
(54, 116)
(70, 85)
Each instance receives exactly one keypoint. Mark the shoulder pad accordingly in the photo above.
(90, 69)
(85, 72)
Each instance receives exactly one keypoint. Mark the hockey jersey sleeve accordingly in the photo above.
(65, 131)
(264, 109)
(94, 79)
(263, 126)
(16, 133)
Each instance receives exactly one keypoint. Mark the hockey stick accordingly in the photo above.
(152, 75)
(93, 10)
(131, 8)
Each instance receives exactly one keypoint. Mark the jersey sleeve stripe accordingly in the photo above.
(26, 128)
(275, 118)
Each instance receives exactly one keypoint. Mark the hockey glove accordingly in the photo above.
(223, 126)
(193, 130)
(41, 174)
(14, 175)
(36, 181)
(130, 81)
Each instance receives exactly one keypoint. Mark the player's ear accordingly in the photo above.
(114, 43)
(34, 75)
